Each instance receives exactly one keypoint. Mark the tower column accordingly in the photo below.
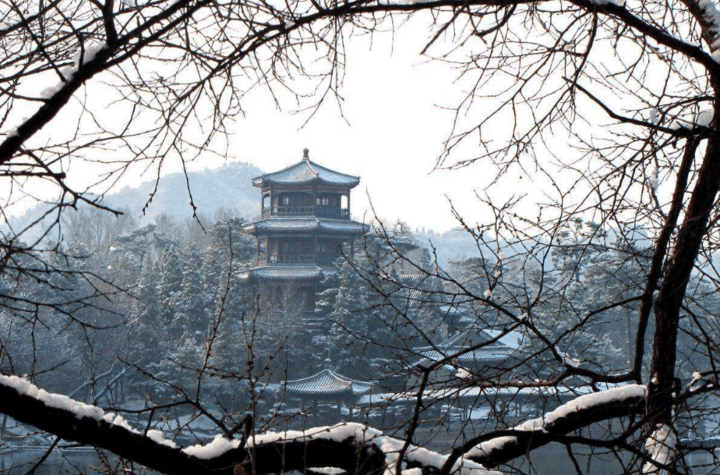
(314, 200)
(315, 248)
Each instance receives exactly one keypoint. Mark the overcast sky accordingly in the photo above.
(393, 101)
(395, 134)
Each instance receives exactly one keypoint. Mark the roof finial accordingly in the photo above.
(306, 154)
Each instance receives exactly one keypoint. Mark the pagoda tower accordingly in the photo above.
(304, 228)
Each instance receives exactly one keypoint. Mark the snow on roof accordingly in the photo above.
(482, 355)
(512, 339)
(275, 272)
(305, 223)
(327, 382)
(342, 225)
(473, 337)
(306, 171)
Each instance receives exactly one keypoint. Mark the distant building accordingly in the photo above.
(304, 228)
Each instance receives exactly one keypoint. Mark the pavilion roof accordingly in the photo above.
(482, 355)
(329, 383)
(495, 349)
(304, 172)
(468, 337)
(305, 224)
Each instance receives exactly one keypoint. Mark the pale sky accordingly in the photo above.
(395, 135)
(393, 102)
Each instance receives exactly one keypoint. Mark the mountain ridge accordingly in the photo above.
(228, 187)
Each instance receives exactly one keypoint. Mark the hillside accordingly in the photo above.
(228, 187)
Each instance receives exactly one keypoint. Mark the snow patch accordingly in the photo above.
(654, 116)
(712, 15)
(463, 373)
(660, 447)
(88, 54)
(68, 72)
(48, 92)
(619, 3)
(216, 448)
(705, 117)
(158, 437)
(118, 420)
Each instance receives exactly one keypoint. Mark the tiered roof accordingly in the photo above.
(305, 172)
(289, 272)
(305, 224)
(327, 383)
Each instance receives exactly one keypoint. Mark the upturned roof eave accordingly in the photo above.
(304, 386)
(313, 224)
(314, 170)
(261, 182)
(286, 272)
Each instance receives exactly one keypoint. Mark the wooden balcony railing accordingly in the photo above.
(292, 259)
(322, 259)
(319, 211)
(330, 212)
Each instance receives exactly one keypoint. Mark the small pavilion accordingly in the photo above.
(327, 387)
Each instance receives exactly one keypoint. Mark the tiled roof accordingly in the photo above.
(474, 337)
(489, 355)
(342, 225)
(286, 272)
(305, 224)
(329, 383)
(496, 348)
(306, 171)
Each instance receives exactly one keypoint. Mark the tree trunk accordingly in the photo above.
(677, 275)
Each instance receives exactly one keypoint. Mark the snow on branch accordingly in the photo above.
(573, 415)
(351, 447)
